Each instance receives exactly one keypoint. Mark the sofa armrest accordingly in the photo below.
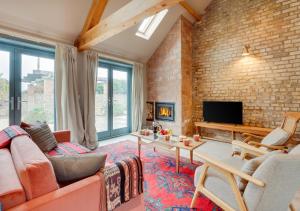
(62, 136)
(216, 164)
(81, 195)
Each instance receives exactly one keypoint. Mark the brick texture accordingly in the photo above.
(267, 81)
(169, 75)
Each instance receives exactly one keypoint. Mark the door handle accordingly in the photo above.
(19, 103)
(12, 103)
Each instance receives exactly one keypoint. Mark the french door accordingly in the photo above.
(26, 84)
(113, 99)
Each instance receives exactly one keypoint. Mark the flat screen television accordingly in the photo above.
(223, 112)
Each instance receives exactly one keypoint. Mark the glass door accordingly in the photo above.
(6, 92)
(26, 83)
(113, 94)
(36, 99)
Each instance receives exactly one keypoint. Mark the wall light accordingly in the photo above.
(246, 51)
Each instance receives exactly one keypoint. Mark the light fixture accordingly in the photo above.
(246, 51)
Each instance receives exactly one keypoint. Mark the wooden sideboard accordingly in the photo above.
(231, 128)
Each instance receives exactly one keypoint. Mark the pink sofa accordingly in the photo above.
(27, 182)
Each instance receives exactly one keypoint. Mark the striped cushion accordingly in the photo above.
(67, 148)
(42, 136)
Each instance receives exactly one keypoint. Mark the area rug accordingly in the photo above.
(164, 189)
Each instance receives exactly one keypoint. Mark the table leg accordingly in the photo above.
(139, 146)
(191, 156)
(177, 159)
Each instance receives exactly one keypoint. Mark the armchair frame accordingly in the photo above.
(229, 172)
(251, 147)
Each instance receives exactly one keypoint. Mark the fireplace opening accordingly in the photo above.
(165, 111)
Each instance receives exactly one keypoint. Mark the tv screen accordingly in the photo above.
(223, 112)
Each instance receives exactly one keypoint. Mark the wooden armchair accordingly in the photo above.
(256, 145)
(217, 180)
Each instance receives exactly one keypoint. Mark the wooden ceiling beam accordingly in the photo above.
(129, 15)
(94, 15)
(190, 10)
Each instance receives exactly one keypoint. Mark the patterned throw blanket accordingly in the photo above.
(124, 180)
(68, 148)
(9, 133)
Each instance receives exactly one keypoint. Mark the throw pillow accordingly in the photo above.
(276, 137)
(250, 167)
(70, 168)
(42, 136)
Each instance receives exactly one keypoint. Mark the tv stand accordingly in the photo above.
(231, 128)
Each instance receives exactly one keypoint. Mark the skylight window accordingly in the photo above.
(150, 24)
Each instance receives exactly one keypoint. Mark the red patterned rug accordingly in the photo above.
(164, 189)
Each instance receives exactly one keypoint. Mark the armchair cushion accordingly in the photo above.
(295, 150)
(250, 167)
(276, 137)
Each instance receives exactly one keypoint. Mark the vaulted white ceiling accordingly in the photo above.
(63, 20)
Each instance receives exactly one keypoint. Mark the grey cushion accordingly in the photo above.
(295, 150)
(281, 176)
(276, 137)
(250, 167)
(215, 149)
(69, 168)
(42, 136)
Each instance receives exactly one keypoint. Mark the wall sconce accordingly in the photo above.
(246, 51)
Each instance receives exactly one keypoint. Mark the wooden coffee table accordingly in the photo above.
(153, 141)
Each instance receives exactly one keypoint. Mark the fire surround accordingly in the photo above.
(165, 111)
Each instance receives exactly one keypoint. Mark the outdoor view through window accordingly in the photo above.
(117, 102)
(4, 89)
(37, 89)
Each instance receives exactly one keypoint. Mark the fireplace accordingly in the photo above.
(165, 111)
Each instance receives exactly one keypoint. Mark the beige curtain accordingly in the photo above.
(68, 114)
(137, 96)
(88, 92)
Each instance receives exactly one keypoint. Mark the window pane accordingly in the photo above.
(37, 89)
(101, 102)
(120, 108)
(4, 89)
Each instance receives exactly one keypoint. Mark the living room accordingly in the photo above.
(150, 105)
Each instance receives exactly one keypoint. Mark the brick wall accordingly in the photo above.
(267, 81)
(169, 75)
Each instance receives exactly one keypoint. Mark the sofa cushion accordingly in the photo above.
(42, 136)
(70, 168)
(276, 137)
(11, 191)
(34, 169)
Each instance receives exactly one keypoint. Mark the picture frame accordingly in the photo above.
(149, 111)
